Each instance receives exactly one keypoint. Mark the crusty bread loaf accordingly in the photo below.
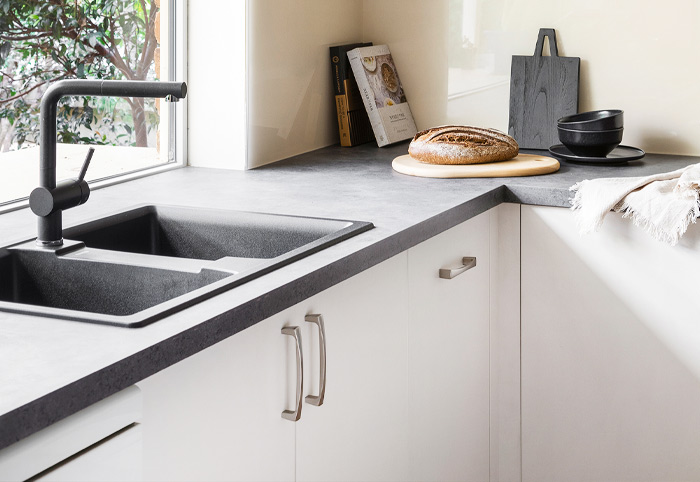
(462, 145)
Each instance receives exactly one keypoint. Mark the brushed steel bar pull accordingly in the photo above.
(468, 262)
(318, 320)
(295, 414)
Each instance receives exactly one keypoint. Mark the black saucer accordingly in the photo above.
(619, 155)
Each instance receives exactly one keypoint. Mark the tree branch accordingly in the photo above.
(26, 77)
(120, 60)
(12, 38)
(110, 54)
(22, 94)
(150, 43)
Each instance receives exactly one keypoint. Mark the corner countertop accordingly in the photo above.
(54, 368)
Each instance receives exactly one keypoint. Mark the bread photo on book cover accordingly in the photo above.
(382, 94)
(462, 145)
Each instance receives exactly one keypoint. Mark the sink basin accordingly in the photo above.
(211, 234)
(55, 284)
(137, 266)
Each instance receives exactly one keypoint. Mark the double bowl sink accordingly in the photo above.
(140, 265)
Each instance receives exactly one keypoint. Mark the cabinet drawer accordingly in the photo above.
(65, 438)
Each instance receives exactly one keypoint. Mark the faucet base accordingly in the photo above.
(49, 244)
(50, 231)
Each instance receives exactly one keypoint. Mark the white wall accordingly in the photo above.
(642, 56)
(216, 97)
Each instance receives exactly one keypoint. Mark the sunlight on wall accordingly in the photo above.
(640, 56)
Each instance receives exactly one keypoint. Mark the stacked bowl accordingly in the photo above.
(591, 134)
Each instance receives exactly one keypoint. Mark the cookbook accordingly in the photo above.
(382, 94)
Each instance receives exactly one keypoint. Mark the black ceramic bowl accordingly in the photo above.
(590, 143)
(597, 120)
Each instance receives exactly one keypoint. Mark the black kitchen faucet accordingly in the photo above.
(50, 199)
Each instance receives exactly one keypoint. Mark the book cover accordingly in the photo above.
(382, 94)
(353, 123)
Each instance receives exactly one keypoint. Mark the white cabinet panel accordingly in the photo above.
(505, 344)
(119, 458)
(610, 372)
(217, 414)
(449, 357)
(83, 443)
(360, 431)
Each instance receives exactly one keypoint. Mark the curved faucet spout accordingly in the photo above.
(50, 229)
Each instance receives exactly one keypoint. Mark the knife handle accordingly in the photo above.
(553, 50)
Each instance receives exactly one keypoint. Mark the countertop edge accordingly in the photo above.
(59, 404)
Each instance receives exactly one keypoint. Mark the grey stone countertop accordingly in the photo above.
(53, 368)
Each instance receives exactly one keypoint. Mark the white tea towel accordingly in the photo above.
(664, 204)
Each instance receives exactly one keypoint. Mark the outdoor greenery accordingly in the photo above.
(42, 41)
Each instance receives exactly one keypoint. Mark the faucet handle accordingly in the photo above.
(66, 194)
(86, 164)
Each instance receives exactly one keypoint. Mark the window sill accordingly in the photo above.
(110, 165)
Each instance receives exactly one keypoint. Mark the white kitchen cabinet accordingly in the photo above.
(360, 431)
(610, 359)
(425, 370)
(217, 414)
(448, 368)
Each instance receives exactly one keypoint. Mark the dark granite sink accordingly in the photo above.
(56, 284)
(137, 266)
(210, 233)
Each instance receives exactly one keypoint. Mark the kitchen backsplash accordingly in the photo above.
(290, 96)
(453, 57)
(638, 55)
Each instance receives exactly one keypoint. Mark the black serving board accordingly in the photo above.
(542, 90)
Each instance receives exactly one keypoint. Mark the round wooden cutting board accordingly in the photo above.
(520, 165)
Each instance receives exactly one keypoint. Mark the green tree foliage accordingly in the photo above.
(42, 41)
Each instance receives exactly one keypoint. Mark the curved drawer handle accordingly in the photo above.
(318, 400)
(295, 414)
(468, 262)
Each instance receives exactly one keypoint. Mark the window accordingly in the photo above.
(42, 41)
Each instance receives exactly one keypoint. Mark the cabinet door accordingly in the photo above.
(448, 345)
(217, 414)
(359, 433)
(610, 360)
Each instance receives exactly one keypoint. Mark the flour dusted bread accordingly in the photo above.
(462, 145)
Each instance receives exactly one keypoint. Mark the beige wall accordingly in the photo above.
(642, 56)
(291, 106)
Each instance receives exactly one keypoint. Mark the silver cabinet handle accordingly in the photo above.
(450, 272)
(318, 400)
(295, 414)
